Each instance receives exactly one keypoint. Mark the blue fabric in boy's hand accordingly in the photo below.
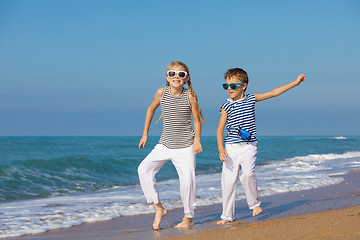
(244, 134)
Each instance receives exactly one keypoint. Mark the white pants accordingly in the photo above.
(244, 155)
(184, 162)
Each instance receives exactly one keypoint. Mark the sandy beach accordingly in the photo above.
(331, 212)
(334, 224)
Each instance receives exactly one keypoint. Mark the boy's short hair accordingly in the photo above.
(237, 72)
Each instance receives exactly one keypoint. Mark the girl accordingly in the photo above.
(178, 142)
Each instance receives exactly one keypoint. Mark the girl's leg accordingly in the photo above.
(230, 176)
(184, 162)
(248, 179)
(147, 171)
(160, 212)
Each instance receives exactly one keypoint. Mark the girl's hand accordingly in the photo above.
(197, 147)
(222, 155)
(142, 142)
(300, 79)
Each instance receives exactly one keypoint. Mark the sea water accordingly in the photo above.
(55, 182)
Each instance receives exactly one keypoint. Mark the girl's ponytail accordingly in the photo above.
(197, 106)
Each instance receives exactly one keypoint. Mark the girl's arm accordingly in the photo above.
(220, 135)
(277, 91)
(149, 116)
(195, 110)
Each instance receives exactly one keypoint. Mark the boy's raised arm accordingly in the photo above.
(277, 91)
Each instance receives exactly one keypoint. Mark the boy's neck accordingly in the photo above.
(238, 98)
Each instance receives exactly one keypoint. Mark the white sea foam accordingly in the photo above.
(340, 138)
(294, 174)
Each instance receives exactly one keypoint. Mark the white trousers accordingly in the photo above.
(244, 155)
(184, 162)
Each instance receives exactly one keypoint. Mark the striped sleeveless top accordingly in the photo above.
(177, 130)
(241, 113)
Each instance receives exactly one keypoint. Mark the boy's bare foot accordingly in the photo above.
(223, 221)
(257, 211)
(186, 223)
(160, 212)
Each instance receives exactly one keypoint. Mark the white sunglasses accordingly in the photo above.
(172, 74)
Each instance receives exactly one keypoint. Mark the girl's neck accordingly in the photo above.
(176, 91)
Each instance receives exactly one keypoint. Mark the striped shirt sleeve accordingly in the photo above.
(226, 106)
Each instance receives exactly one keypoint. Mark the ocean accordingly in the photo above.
(56, 182)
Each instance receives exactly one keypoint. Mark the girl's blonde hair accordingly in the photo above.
(197, 106)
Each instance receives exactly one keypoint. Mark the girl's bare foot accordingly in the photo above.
(186, 223)
(223, 221)
(257, 211)
(160, 212)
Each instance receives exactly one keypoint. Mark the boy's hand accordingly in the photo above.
(197, 147)
(222, 155)
(300, 79)
(142, 142)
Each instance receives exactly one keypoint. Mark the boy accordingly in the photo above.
(238, 115)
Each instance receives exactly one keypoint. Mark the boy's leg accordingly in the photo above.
(184, 162)
(230, 176)
(248, 179)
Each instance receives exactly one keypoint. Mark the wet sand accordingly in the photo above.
(331, 212)
(334, 224)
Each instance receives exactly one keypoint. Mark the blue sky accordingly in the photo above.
(93, 67)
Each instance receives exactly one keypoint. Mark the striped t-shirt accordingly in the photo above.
(177, 130)
(241, 114)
